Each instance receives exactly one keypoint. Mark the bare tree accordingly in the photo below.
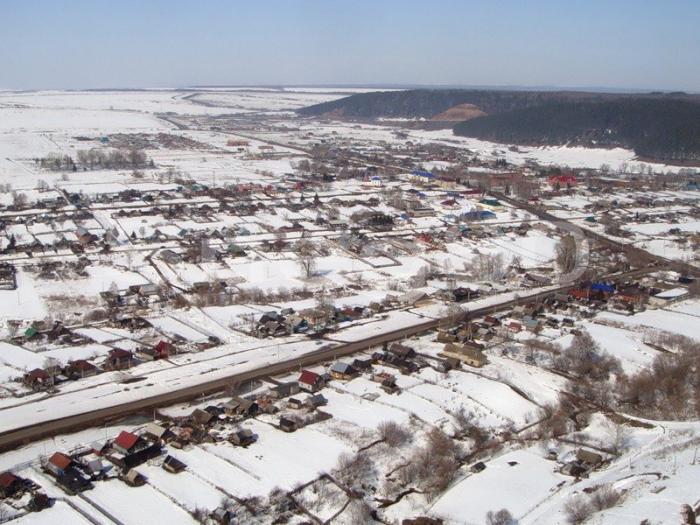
(566, 253)
(307, 260)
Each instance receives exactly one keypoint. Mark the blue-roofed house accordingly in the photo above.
(422, 176)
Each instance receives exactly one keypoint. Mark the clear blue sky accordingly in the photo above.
(159, 43)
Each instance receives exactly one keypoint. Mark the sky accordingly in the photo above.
(623, 44)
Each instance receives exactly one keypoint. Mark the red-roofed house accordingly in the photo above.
(311, 381)
(37, 378)
(119, 359)
(562, 180)
(9, 484)
(125, 442)
(59, 463)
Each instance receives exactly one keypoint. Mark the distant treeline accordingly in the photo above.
(665, 130)
(97, 158)
(660, 126)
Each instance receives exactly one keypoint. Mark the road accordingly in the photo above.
(24, 435)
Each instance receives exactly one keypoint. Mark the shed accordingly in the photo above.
(173, 465)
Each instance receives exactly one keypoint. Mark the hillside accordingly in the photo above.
(662, 127)
(665, 130)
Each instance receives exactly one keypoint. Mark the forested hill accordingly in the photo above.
(663, 127)
(663, 130)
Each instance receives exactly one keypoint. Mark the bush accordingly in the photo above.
(500, 517)
(578, 510)
(393, 434)
(605, 497)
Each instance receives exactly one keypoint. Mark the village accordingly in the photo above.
(215, 311)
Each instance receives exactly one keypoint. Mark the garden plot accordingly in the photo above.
(101, 278)
(59, 513)
(495, 398)
(277, 459)
(623, 344)
(19, 358)
(189, 490)
(8, 373)
(97, 334)
(269, 275)
(541, 386)
(361, 412)
(524, 476)
(663, 320)
(23, 303)
(323, 499)
(137, 504)
(173, 327)
(73, 353)
(690, 307)
(406, 401)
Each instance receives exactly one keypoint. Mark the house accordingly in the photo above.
(243, 438)
(287, 425)
(222, 516)
(470, 354)
(402, 351)
(9, 484)
(39, 502)
(58, 464)
(239, 406)
(450, 363)
(514, 327)
(80, 369)
(295, 403)
(170, 256)
(557, 181)
(311, 381)
(155, 432)
(633, 295)
(588, 458)
(37, 379)
(285, 390)
(389, 385)
(173, 465)
(125, 442)
(422, 176)
(119, 359)
(414, 298)
(201, 417)
(133, 478)
(95, 467)
(362, 365)
(129, 450)
(342, 371)
(316, 401)
(160, 351)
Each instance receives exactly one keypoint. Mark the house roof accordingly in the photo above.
(38, 373)
(118, 353)
(308, 377)
(164, 346)
(7, 479)
(342, 368)
(60, 460)
(155, 430)
(82, 364)
(126, 440)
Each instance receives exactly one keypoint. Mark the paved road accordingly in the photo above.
(21, 436)
(24, 435)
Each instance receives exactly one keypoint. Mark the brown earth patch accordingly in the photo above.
(459, 113)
